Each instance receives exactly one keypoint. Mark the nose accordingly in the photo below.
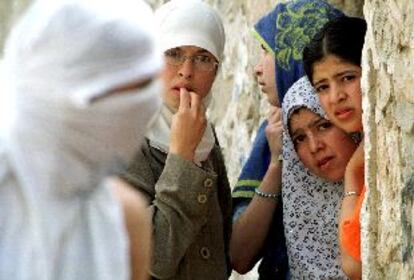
(258, 69)
(186, 70)
(315, 144)
(337, 94)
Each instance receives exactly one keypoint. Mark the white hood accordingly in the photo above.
(64, 134)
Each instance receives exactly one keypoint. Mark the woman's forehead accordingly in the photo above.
(191, 49)
(303, 116)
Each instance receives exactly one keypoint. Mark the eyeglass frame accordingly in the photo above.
(179, 62)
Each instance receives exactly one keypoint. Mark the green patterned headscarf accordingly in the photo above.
(286, 31)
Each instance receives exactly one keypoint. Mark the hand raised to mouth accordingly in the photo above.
(188, 125)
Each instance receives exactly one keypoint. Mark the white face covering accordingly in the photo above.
(77, 145)
(58, 70)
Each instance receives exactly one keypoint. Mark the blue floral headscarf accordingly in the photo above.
(285, 32)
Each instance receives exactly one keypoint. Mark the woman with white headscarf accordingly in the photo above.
(180, 167)
(81, 91)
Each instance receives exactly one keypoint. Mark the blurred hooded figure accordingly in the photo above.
(80, 94)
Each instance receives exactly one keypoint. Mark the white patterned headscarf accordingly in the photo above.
(310, 203)
(67, 130)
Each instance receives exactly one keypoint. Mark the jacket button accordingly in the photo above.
(208, 183)
(205, 253)
(202, 198)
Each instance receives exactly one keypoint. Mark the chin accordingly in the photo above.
(331, 176)
(352, 127)
(334, 179)
(274, 103)
(173, 108)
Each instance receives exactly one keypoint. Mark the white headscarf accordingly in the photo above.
(67, 133)
(187, 23)
(191, 23)
(310, 204)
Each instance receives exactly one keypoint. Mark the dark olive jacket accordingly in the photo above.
(191, 213)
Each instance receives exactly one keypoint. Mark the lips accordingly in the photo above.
(344, 113)
(179, 88)
(182, 85)
(324, 162)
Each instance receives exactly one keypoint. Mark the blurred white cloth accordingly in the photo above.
(65, 132)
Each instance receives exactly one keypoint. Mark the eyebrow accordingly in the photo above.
(313, 123)
(201, 51)
(317, 121)
(336, 75)
(295, 133)
(319, 82)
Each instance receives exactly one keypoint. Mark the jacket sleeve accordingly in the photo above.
(180, 201)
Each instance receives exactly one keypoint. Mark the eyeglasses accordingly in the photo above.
(201, 62)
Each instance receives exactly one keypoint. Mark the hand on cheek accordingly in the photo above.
(354, 174)
(274, 131)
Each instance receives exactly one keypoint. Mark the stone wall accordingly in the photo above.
(388, 84)
(9, 12)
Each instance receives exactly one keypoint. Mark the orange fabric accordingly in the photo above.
(350, 230)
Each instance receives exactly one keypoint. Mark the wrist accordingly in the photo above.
(275, 166)
(276, 158)
(268, 195)
(185, 154)
(354, 194)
